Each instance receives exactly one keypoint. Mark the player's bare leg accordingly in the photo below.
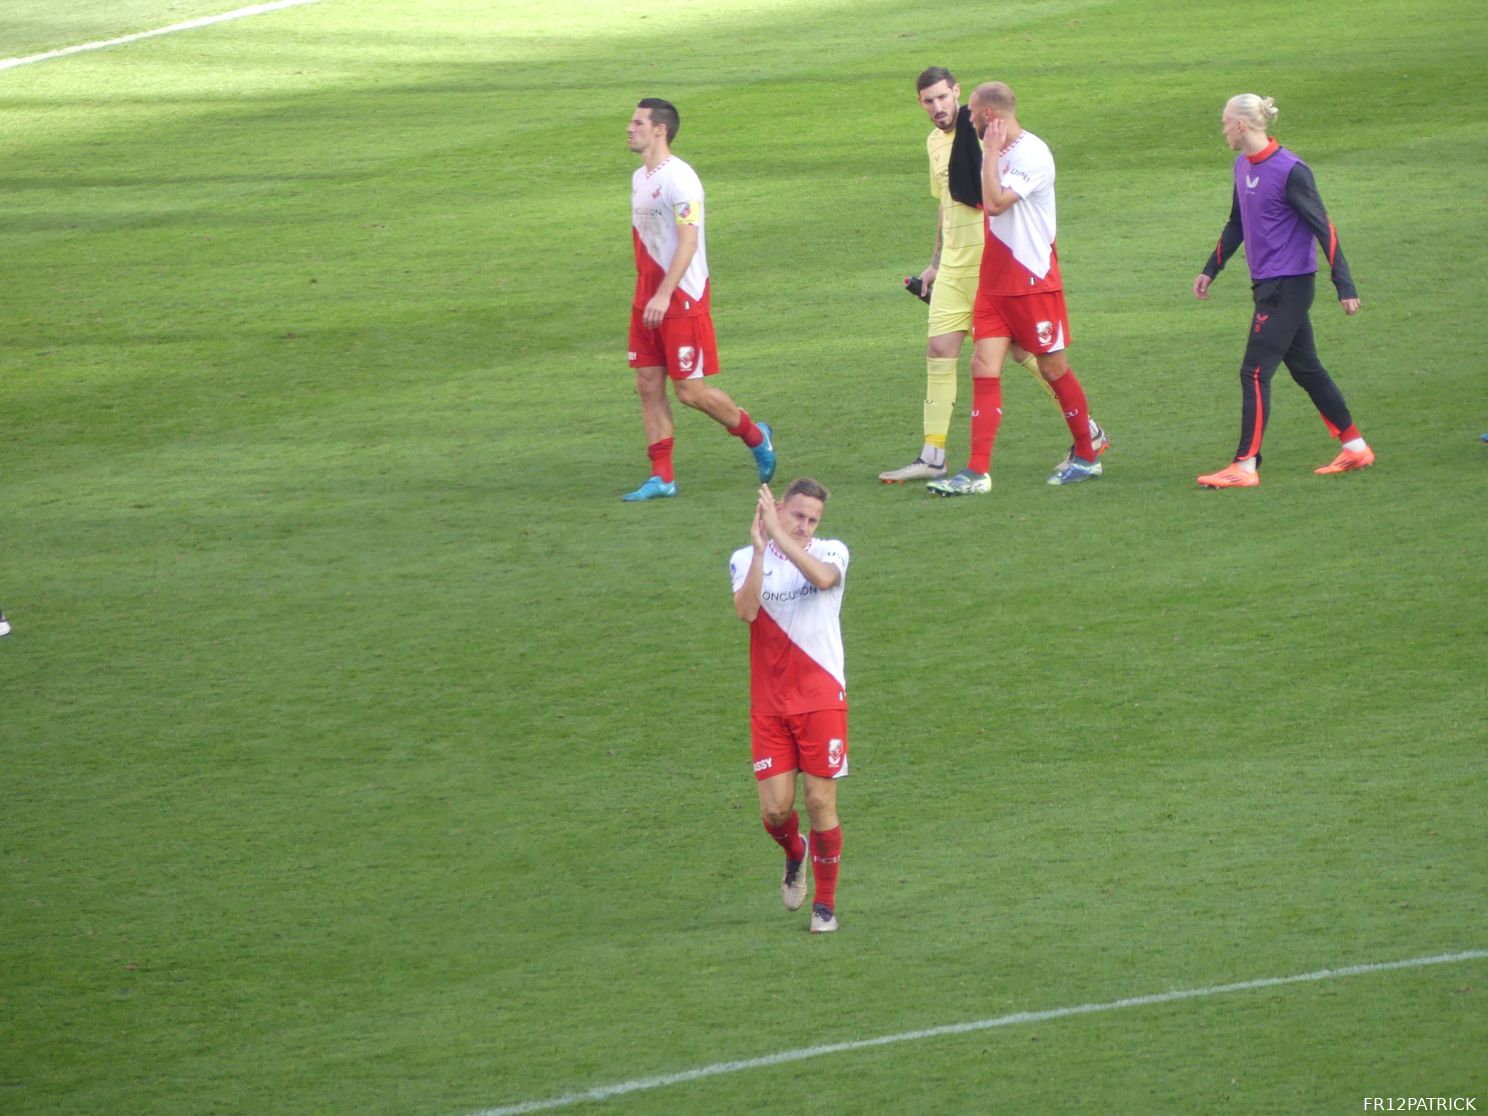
(821, 802)
(656, 408)
(777, 796)
(718, 406)
(1027, 361)
(989, 355)
(1024, 359)
(825, 849)
(656, 418)
(714, 402)
(1052, 366)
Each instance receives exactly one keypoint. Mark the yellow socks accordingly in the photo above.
(940, 399)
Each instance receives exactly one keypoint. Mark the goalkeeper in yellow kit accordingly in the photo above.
(951, 278)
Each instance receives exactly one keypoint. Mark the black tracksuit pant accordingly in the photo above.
(1280, 332)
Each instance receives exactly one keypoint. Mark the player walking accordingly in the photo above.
(956, 183)
(671, 325)
(1020, 296)
(1277, 213)
(788, 588)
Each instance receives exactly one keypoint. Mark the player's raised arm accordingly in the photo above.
(992, 117)
(784, 534)
(996, 198)
(747, 597)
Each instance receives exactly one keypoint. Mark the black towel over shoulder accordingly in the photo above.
(965, 169)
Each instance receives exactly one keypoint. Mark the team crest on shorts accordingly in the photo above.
(1045, 334)
(686, 357)
(834, 753)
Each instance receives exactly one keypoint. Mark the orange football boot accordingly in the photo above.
(1347, 462)
(1231, 476)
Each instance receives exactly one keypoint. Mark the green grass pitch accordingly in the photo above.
(360, 752)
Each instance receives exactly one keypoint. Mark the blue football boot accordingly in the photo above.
(764, 454)
(654, 489)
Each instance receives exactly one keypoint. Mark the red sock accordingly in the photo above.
(986, 415)
(1071, 398)
(788, 837)
(826, 856)
(746, 430)
(661, 459)
(1343, 435)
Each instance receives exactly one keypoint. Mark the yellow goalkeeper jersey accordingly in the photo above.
(962, 228)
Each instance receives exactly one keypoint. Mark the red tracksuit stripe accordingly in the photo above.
(1260, 415)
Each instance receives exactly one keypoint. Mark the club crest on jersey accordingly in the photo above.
(834, 752)
(686, 358)
(656, 193)
(1045, 334)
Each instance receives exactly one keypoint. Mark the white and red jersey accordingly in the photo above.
(661, 199)
(1019, 257)
(795, 643)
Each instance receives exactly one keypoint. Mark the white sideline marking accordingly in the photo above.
(189, 25)
(605, 1092)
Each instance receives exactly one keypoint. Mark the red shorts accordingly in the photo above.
(684, 346)
(815, 743)
(1037, 322)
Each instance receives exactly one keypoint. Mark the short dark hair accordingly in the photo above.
(664, 113)
(931, 76)
(805, 486)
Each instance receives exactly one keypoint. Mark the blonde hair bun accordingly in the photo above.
(1253, 109)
